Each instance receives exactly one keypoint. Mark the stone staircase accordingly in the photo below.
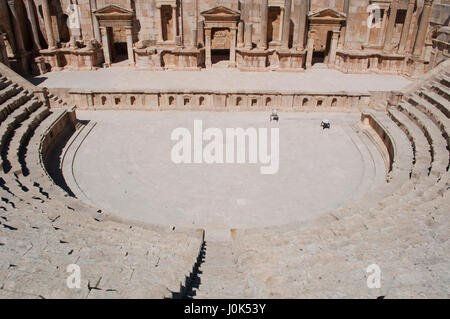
(220, 277)
(43, 230)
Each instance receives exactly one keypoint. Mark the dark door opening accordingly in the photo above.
(318, 57)
(118, 48)
(218, 56)
(322, 55)
(120, 52)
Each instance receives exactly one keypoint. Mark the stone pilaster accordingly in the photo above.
(201, 33)
(240, 34)
(382, 32)
(286, 24)
(387, 47)
(245, 10)
(48, 24)
(174, 19)
(95, 23)
(423, 27)
(194, 37)
(299, 24)
(310, 48)
(3, 53)
(106, 48)
(158, 22)
(129, 32)
(248, 40)
(18, 34)
(406, 26)
(208, 61)
(263, 22)
(333, 47)
(346, 10)
(233, 48)
(34, 26)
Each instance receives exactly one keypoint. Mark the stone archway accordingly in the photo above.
(111, 17)
(220, 34)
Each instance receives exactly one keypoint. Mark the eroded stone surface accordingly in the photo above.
(319, 170)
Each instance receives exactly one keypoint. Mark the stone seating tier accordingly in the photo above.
(406, 233)
(402, 225)
(43, 230)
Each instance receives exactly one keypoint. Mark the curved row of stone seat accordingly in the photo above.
(43, 230)
(408, 240)
(406, 233)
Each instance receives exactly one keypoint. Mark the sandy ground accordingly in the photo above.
(124, 166)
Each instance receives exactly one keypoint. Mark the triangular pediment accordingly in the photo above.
(327, 13)
(221, 12)
(113, 10)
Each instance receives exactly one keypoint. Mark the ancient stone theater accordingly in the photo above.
(224, 149)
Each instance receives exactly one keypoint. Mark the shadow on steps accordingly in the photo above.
(192, 282)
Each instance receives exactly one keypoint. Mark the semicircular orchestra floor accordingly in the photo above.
(121, 162)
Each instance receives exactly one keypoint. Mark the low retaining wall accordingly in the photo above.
(218, 101)
(368, 119)
(55, 135)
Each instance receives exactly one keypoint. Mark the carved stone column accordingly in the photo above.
(158, 22)
(248, 40)
(96, 25)
(286, 24)
(16, 26)
(310, 48)
(21, 52)
(387, 47)
(48, 24)
(130, 50)
(34, 26)
(233, 48)
(3, 53)
(106, 48)
(201, 33)
(423, 27)
(300, 24)
(382, 32)
(245, 10)
(406, 26)
(263, 22)
(208, 61)
(333, 47)
(240, 34)
(344, 26)
(194, 37)
(174, 19)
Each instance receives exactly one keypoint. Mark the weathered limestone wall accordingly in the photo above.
(220, 101)
(387, 145)
(57, 132)
(287, 35)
